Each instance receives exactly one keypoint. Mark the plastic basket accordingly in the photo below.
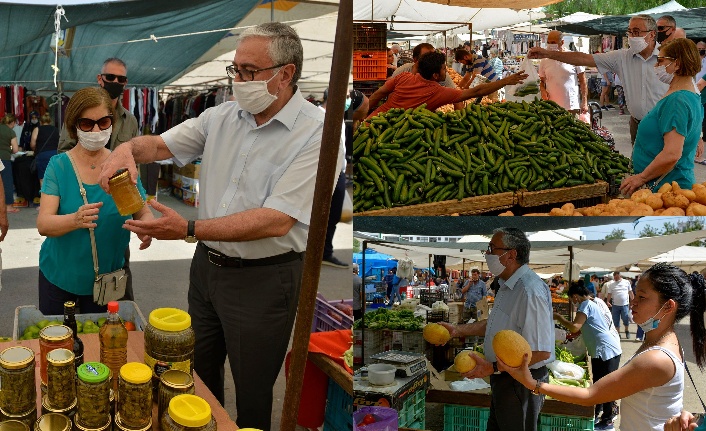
(28, 315)
(367, 87)
(329, 318)
(369, 65)
(370, 36)
(564, 423)
(429, 298)
(339, 409)
(412, 414)
(464, 418)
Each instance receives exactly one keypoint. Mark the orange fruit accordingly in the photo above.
(130, 326)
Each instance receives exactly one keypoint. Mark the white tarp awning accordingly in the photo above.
(667, 7)
(680, 255)
(427, 14)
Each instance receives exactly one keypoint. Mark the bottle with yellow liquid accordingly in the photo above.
(113, 343)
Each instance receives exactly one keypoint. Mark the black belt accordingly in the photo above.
(636, 120)
(219, 259)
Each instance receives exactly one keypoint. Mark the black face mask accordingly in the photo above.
(702, 52)
(662, 36)
(114, 89)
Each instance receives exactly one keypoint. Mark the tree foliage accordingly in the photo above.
(356, 246)
(649, 231)
(609, 7)
(689, 225)
(616, 234)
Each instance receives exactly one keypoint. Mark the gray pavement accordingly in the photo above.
(160, 278)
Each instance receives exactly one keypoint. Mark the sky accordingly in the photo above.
(631, 231)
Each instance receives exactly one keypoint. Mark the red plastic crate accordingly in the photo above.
(370, 36)
(369, 65)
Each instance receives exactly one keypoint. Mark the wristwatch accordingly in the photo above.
(190, 235)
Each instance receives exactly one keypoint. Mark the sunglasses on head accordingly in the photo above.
(87, 125)
(111, 77)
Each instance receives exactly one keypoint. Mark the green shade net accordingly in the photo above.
(101, 31)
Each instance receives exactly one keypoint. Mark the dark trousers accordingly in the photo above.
(129, 294)
(633, 129)
(52, 298)
(8, 183)
(334, 215)
(246, 314)
(512, 406)
(601, 369)
(149, 175)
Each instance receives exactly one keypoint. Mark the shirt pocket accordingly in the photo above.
(259, 179)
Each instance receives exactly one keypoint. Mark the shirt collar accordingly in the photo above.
(515, 277)
(120, 110)
(655, 53)
(287, 115)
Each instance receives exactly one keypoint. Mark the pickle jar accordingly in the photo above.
(125, 194)
(61, 378)
(13, 426)
(80, 427)
(69, 411)
(188, 413)
(18, 393)
(50, 338)
(134, 396)
(171, 384)
(53, 422)
(169, 342)
(28, 418)
(93, 390)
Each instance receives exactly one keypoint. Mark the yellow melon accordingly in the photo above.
(436, 334)
(464, 362)
(510, 347)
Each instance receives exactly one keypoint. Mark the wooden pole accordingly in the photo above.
(325, 178)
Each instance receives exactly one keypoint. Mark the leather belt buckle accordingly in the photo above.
(215, 255)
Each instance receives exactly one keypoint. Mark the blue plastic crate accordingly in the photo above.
(413, 412)
(564, 423)
(464, 418)
(339, 409)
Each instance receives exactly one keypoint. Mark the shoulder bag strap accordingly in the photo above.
(692, 382)
(45, 142)
(85, 201)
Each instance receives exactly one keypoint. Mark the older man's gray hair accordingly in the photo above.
(517, 240)
(650, 22)
(285, 46)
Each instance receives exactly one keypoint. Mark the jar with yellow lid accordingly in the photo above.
(19, 393)
(53, 422)
(188, 413)
(50, 338)
(134, 396)
(28, 418)
(171, 384)
(125, 194)
(93, 390)
(169, 342)
(13, 426)
(61, 378)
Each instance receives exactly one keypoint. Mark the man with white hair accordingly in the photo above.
(560, 82)
(258, 170)
(396, 52)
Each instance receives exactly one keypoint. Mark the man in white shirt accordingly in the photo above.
(563, 83)
(620, 292)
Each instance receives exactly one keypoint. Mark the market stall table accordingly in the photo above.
(135, 353)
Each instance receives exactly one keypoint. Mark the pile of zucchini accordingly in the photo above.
(407, 157)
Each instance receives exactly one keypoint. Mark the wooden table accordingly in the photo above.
(135, 353)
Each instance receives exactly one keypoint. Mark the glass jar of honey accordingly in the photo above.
(125, 194)
(50, 338)
(18, 393)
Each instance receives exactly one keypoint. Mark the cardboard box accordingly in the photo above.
(191, 170)
(191, 199)
(190, 185)
(394, 396)
(177, 180)
(482, 309)
(455, 312)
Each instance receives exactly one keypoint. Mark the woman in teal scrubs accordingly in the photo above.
(668, 135)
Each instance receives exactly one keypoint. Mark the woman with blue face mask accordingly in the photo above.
(651, 383)
(668, 136)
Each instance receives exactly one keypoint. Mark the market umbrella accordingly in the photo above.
(510, 4)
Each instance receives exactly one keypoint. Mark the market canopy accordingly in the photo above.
(375, 260)
(511, 4)
(428, 17)
(693, 21)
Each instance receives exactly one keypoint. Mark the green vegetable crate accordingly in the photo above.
(465, 418)
(29, 315)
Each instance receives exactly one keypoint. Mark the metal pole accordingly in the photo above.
(326, 174)
(362, 346)
(571, 277)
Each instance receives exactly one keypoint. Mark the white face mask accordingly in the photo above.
(663, 75)
(553, 47)
(637, 44)
(34, 121)
(94, 141)
(494, 265)
(253, 96)
(651, 323)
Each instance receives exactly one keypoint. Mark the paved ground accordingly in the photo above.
(160, 278)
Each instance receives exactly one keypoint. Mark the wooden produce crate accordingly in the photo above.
(562, 195)
(467, 206)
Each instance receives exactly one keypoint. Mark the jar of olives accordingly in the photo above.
(61, 377)
(53, 422)
(69, 411)
(13, 426)
(188, 413)
(50, 338)
(171, 384)
(19, 393)
(134, 396)
(93, 390)
(28, 418)
(169, 342)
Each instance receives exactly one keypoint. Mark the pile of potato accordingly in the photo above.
(669, 200)
(455, 76)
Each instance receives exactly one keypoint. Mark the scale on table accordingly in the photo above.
(408, 364)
